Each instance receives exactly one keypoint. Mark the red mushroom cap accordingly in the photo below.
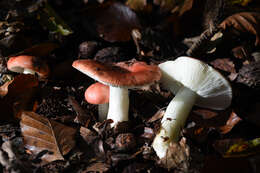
(123, 74)
(21, 62)
(97, 93)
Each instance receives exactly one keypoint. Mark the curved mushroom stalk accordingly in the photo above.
(199, 84)
(118, 105)
(102, 111)
(174, 120)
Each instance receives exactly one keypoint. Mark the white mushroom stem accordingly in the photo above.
(102, 111)
(118, 105)
(28, 71)
(174, 120)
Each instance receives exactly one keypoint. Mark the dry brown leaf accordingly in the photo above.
(185, 6)
(18, 97)
(231, 122)
(139, 5)
(158, 115)
(224, 64)
(43, 134)
(4, 88)
(177, 156)
(88, 135)
(97, 167)
(205, 113)
(22, 83)
(244, 22)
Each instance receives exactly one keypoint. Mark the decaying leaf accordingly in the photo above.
(43, 134)
(240, 2)
(50, 19)
(205, 113)
(250, 75)
(158, 115)
(119, 29)
(224, 64)
(183, 6)
(22, 83)
(244, 22)
(88, 135)
(82, 117)
(4, 88)
(18, 97)
(231, 122)
(139, 5)
(177, 157)
(237, 147)
(97, 167)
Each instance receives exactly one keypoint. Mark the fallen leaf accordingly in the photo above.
(88, 135)
(139, 5)
(165, 5)
(119, 29)
(205, 113)
(240, 2)
(231, 122)
(49, 19)
(21, 84)
(43, 134)
(19, 96)
(4, 88)
(158, 115)
(250, 75)
(82, 117)
(224, 64)
(97, 167)
(177, 156)
(237, 147)
(185, 6)
(244, 22)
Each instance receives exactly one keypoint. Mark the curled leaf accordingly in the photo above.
(244, 22)
(43, 134)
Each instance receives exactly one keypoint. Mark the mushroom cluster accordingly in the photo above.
(192, 81)
(119, 77)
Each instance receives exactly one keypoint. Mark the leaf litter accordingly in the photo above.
(62, 127)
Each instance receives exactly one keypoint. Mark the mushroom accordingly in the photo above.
(28, 65)
(98, 93)
(119, 77)
(192, 82)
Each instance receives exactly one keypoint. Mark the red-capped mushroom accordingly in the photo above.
(28, 65)
(119, 77)
(98, 93)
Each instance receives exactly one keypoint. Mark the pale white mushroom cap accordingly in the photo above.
(213, 90)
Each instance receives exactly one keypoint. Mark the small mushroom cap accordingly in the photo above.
(213, 90)
(97, 93)
(123, 74)
(20, 63)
